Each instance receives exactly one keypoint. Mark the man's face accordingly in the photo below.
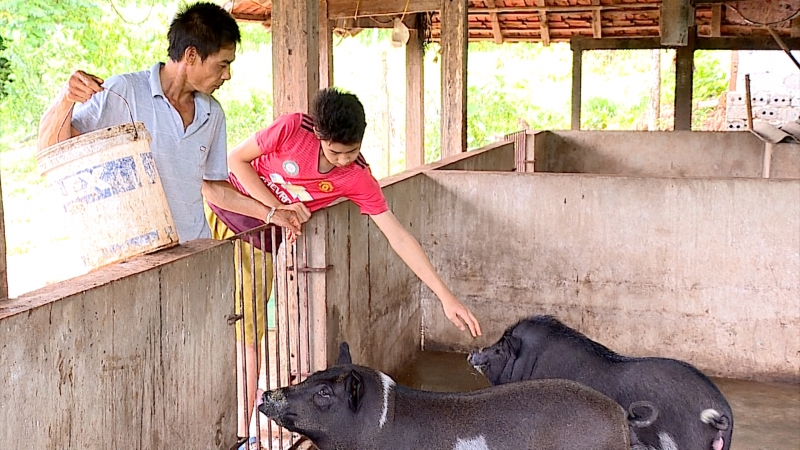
(340, 155)
(208, 75)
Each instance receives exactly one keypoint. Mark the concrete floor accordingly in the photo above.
(766, 415)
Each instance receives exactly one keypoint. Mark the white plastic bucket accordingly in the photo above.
(107, 184)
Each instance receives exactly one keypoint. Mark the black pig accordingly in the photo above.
(693, 413)
(350, 407)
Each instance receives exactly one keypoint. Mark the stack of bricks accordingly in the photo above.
(775, 108)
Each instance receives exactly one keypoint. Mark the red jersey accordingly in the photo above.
(289, 167)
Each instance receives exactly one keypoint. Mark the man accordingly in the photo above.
(301, 164)
(174, 101)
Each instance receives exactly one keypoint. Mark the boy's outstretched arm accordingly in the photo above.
(408, 249)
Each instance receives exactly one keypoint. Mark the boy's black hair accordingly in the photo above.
(338, 116)
(204, 26)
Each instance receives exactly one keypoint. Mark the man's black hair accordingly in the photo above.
(204, 26)
(338, 117)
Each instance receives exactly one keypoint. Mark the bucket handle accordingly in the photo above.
(130, 114)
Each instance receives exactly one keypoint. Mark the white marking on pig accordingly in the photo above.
(666, 441)
(387, 386)
(710, 416)
(478, 443)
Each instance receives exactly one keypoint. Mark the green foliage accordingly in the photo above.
(710, 78)
(245, 117)
(45, 41)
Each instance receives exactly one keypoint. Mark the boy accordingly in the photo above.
(300, 164)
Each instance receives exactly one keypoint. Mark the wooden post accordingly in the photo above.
(716, 20)
(676, 18)
(3, 273)
(325, 47)
(415, 101)
(577, 68)
(684, 80)
(454, 76)
(295, 55)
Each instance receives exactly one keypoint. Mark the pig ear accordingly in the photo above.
(354, 387)
(344, 354)
(514, 343)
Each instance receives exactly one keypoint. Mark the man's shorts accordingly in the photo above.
(221, 231)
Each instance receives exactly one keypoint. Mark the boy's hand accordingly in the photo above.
(299, 209)
(460, 315)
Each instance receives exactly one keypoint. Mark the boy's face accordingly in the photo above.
(340, 155)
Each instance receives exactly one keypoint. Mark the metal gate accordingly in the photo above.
(283, 354)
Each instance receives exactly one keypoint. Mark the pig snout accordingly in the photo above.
(273, 405)
(477, 359)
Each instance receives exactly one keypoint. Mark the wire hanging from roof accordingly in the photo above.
(119, 14)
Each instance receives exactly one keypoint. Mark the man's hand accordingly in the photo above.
(460, 315)
(82, 86)
(286, 219)
(300, 210)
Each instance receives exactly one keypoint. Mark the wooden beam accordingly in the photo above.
(565, 9)
(340, 9)
(577, 70)
(3, 272)
(415, 101)
(716, 20)
(295, 55)
(597, 21)
(796, 27)
(325, 47)
(684, 68)
(496, 32)
(543, 26)
(676, 18)
(454, 76)
(760, 42)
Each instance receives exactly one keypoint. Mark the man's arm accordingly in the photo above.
(222, 194)
(408, 249)
(80, 88)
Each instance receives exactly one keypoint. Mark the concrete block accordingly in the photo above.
(760, 98)
(790, 114)
(736, 125)
(736, 112)
(767, 113)
(780, 100)
(736, 99)
(795, 101)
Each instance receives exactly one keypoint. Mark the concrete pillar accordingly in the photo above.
(455, 38)
(295, 55)
(415, 102)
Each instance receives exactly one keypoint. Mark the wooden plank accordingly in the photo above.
(762, 42)
(543, 26)
(496, 31)
(3, 270)
(716, 20)
(577, 69)
(597, 22)
(564, 9)
(796, 27)
(684, 68)
(116, 361)
(325, 47)
(676, 17)
(340, 9)
(314, 284)
(454, 43)
(295, 55)
(415, 102)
